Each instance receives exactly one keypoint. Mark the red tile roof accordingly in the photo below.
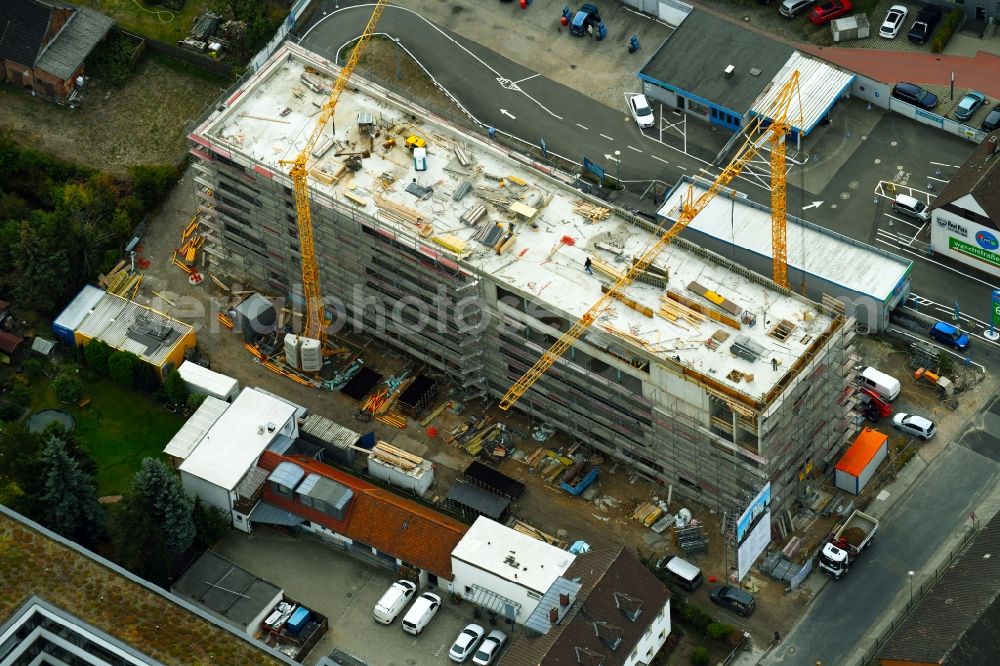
(9, 342)
(379, 518)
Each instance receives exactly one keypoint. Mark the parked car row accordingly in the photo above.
(472, 641)
(689, 577)
(877, 390)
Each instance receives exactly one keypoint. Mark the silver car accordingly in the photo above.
(914, 425)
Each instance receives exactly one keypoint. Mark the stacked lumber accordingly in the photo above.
(678, 313)
(590, 211)
(395, 456)
(533, 459)
(395, 419)
(703, 310)
(647, 511)
(225, 321)
(631, 337)
(435, 413)
(535, 533)
(451, 242)
(400, 213)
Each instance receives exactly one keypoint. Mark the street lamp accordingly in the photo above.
(618, 162)
(399, 73)
(910, 574)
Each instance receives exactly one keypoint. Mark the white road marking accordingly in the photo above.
(607, 137)
(659, 158)
(633, 148)
(899, 219)
(527, 78)
(940, 180)
(583, 127)
(950, 166)
(923, 257)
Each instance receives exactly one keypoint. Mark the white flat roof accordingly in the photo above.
(210, 381)
(196, 427)
(817, 251)
(233, 444)
(820, 85)
(497, 549)
(545, 261)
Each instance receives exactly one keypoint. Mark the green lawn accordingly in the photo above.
(119, 428)
(147, 21)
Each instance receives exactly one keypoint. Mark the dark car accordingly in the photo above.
(992, 121)
(922, 28)
(950, 335)
(734, 599)
(913, 94)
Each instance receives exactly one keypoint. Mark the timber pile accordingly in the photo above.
(436, 413)
(678, 313)
(400, 213)
(630, 302)
(631, 337)
(121, 281)
(535, 533)
(647, 513)
(394, 456)
(650, 276)
(533, 459)
(590, 211)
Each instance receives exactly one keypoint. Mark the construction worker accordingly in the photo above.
(586, 266)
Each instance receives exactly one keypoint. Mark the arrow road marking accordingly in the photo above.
(508, 114)
(814, 204)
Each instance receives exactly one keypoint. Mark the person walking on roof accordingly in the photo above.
(586, 266)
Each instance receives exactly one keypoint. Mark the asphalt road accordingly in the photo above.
(839, 620)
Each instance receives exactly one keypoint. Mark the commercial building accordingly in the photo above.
(606, 609)
(725, 74)
(505, 571)
(476, 278)
(62, 604)
(214, 469)
(869, 281)
(965, 216)
(125, 325)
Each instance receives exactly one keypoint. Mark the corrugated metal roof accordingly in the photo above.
(329, 491)
(328, 431)
(943, 619)
(111, 318)
(196, 427)
(812, 249)
(287, 474)
(820, 86)
(74, 42)
(539, 619)
(78, 308)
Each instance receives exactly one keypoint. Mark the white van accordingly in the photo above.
(681, 572)
(393, 601)
(885, 385)
(421, 613)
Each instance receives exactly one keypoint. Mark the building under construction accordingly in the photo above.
(707, 377)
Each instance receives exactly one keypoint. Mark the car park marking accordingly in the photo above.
(608, 137)
(902, 239)
(899, 219)
(633, 148)
(940, 180)
(527, 78)
(950, 166)
(660, 159)
(583, 127)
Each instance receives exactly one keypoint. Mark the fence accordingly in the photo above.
(915, 596)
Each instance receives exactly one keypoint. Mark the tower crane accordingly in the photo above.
(314, 328)
(757, 134)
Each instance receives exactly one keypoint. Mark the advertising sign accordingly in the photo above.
(996, 308)
(758, 507)
(753, 531)
(976, 252)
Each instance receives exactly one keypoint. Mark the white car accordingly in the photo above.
(466, 643)
(490, 648)
(641, 111)
(421, 613)
(914, 425)
(893, 22)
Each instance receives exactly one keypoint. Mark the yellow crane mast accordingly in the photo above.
(756, 135)
(315, 319)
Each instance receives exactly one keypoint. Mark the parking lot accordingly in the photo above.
(345, 590)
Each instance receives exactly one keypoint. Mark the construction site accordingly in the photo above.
(706, 377)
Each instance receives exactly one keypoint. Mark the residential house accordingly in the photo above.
(43, 44)
(606, 609)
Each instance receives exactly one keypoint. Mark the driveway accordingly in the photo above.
(345, 590)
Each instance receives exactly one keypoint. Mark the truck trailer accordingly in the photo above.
(846, 544)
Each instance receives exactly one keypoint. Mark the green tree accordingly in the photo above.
(68, 505)
(121, 367)
(176, 390)
(210, 524)
(34, 368)
(145, 378)
(20, 465)
(19, 392)
(97, 353)
(153, 183)
(194, 401)
(699, 657)
(169, 505)
(67, 387)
